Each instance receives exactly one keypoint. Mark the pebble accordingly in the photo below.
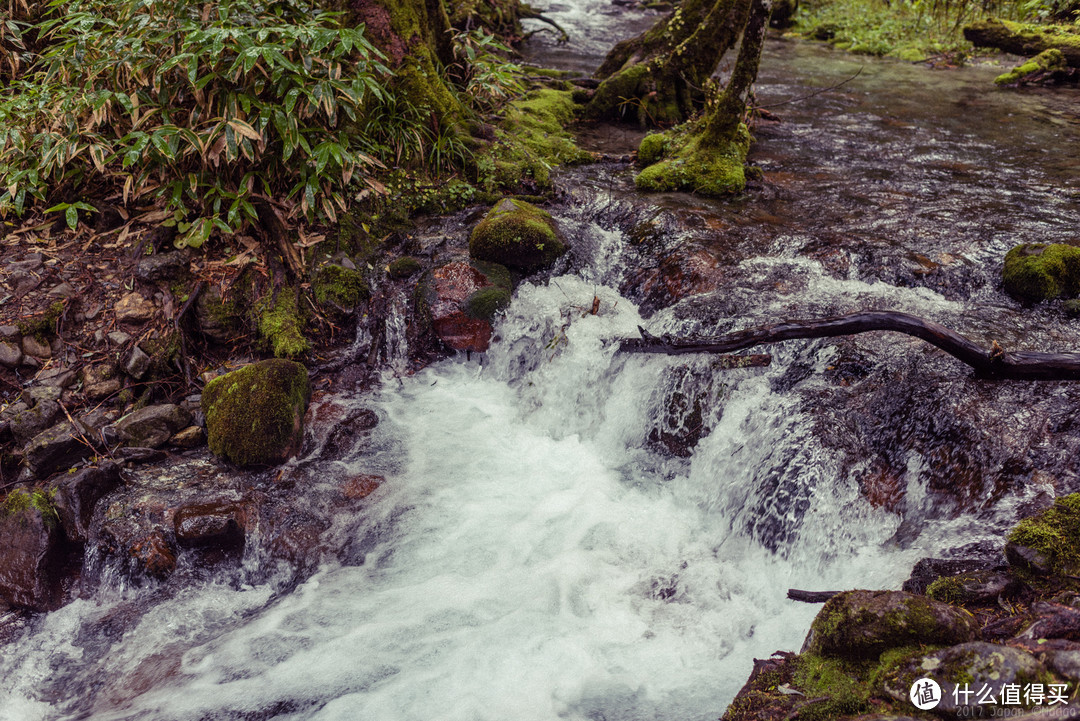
(119, 337)
(134, 308)
(10, 355)
(33, 347)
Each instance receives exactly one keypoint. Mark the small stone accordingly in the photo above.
(161, 266)
(100, 381)
(29, 263)
(119, 337)
(190, 437)
(37, 394)
(33, 347)
(152, 426)
(57, 448)
(29, 423)
(10, 355)
(57, 377)
(138, 363)
(219, 524)
(9, 331)
(64, 290)
(94, 312)
(133, 308)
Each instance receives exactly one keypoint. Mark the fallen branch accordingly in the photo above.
(811, 596)
(992, 363)
(529, 13)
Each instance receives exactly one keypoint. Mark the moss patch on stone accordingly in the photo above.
(518, 235)
(486, 302)
(43, 326)
(19, 500)
(1048, 61)
(1034, 272)
(834, 683)
(687, 164)
(404, 267)
(255, 414)
(281, 325)
(337, 285)
(1055, 533)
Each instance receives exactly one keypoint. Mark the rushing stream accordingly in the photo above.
(569, 533)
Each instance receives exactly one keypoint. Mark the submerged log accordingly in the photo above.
(992, 363)
(811, 596)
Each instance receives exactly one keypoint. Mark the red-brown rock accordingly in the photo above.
(684, 272)
(31, 560)
(155, 555)
(219, 524)
(361, 486)
(450, 286)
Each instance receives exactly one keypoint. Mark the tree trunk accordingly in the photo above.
(722, 121)
(415, 36)
(660, 76)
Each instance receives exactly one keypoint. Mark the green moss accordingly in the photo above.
(42, 327)
(486, 302)
(255, 413)
(530, 140)
(691, 166)
(835, 683)
(337, 285)
(1047, 61)
(19, 500)
(947, 589)
(1035, 272)
(404, 267)
(1055, 533)
(281, 325)
(518, 235)
(652, 147)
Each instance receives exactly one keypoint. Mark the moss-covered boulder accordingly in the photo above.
(281, 324)
(1035, 272)
(683, 161)
(338, 287)
(973, 587)
(862, 624)
(1050, 541)
(31, 562)
(518, 235)
(979, 667)
(255, 414)
(1040, 67)
(459, 300)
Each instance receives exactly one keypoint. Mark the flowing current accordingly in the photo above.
(565, 532)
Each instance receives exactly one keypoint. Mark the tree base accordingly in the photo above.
(680, 160)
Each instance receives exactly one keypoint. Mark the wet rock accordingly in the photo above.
(57, 448)
(971, 666)
(138, 363)
(973, 587)
(862, 624)
(139, 454)
(1034, 272)
(31, 346)
(518, 235)
(682, 272)
(33, 421)
(100, 381)
(219, 524)
(133, 308)
(152, 426)
(76, 496)
(1048, 542)
(154, 555)
(219, 319)
(190, 437)
(404, 267)
(11, 355)
(161, 266)
(255, 415)
(451, 297)
(31, 559)
(361, 486)
(338, 289)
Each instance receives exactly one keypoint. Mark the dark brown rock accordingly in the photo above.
(152, 426)
(154, 555)
(29, 423)
(76, 496)
(31, 560)
(220, 524)
(451, 285)
(57, 448)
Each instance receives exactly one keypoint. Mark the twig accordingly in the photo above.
(819, 91)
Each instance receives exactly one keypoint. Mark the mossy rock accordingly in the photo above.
(486, 302)
(1035, 272)
(518, 235)
(690, 165)
(281, 325)
(338, 287)
(1048, 61)
(972, 587)
(255, 414)
(972, 666)
(404, 267)
(1050, 541)
(863, 624)
(651, 149)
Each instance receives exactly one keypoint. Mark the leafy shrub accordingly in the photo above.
(207, 108)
